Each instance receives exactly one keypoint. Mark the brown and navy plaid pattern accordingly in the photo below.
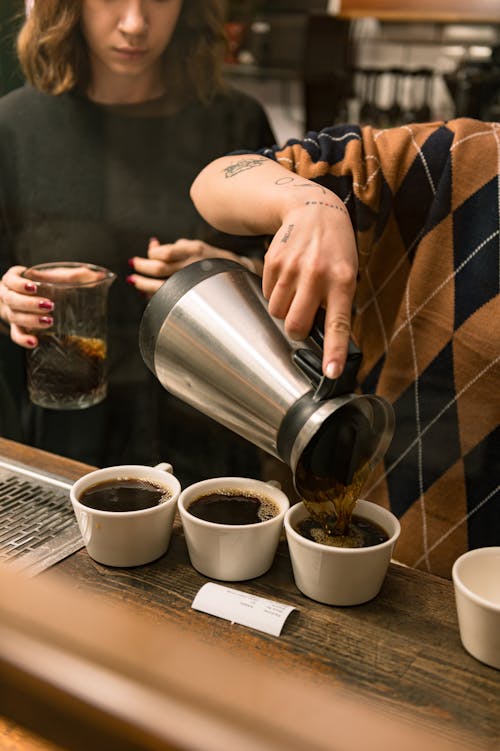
(425, 203)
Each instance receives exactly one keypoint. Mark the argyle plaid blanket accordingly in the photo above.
(425, 204)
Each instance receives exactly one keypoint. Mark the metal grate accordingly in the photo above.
(37, 524)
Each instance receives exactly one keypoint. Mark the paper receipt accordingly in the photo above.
(233, 605)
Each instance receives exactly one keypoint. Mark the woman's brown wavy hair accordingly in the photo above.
(54, 56)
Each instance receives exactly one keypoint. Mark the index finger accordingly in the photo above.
(12, 278)
(337, 332)
(169, 252)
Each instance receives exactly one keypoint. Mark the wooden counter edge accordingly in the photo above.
(42, 460)
(83, 673)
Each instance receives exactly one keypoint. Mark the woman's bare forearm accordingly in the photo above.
(251, 195)
(312, 258)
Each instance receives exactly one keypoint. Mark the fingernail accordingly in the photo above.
(46, 320)
(130, 280)
(31, 343)
(46, 305)
(131, 262)
(30, 287)
(332, 370)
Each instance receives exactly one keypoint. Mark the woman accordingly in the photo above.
(125, 106)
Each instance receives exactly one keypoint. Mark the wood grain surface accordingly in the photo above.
(402, 649)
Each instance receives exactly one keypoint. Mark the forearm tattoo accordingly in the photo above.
(336, 206)
(288, 180)
(242, 166)
(246, 164)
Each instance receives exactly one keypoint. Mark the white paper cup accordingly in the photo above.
(232, 552)
(476, 579)
(127, 538)
(341, 576)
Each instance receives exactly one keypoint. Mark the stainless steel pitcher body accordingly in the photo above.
(209, 339)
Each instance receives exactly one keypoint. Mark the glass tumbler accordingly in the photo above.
(68, 368)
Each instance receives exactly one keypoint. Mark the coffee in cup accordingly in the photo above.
(124, 494)
(233, 506)
(341, 575)
(126, 513)
(232, 526)
(361, 533)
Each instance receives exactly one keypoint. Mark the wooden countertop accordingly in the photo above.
(401, 650)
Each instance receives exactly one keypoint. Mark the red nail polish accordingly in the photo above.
(46, 305)
(130, 280)
(30, 287)
(46, 320)
(131, 263)
(31, 343)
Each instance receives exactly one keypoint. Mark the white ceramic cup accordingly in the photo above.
(476, 579)
(127, 538)
(341, 576)
(232, 552)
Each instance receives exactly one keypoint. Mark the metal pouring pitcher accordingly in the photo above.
(209, 339)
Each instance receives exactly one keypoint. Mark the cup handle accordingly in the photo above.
(165, 466)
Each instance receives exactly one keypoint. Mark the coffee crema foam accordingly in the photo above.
(234, 506)
(362, 533)
(267, 509)
(352, 539)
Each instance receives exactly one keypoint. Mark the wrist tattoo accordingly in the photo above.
(242, 166)
(287, 234)
(340, 208)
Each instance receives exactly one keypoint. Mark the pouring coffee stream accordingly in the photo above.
(208, 337)
(335, 465)
(329, 502)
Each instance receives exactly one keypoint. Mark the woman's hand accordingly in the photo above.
(164, 260)
(22, 308)
(312, 262)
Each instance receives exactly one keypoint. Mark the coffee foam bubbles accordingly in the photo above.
(267, 509)
(323, 537)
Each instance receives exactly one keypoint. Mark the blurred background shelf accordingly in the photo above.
(310, 67)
